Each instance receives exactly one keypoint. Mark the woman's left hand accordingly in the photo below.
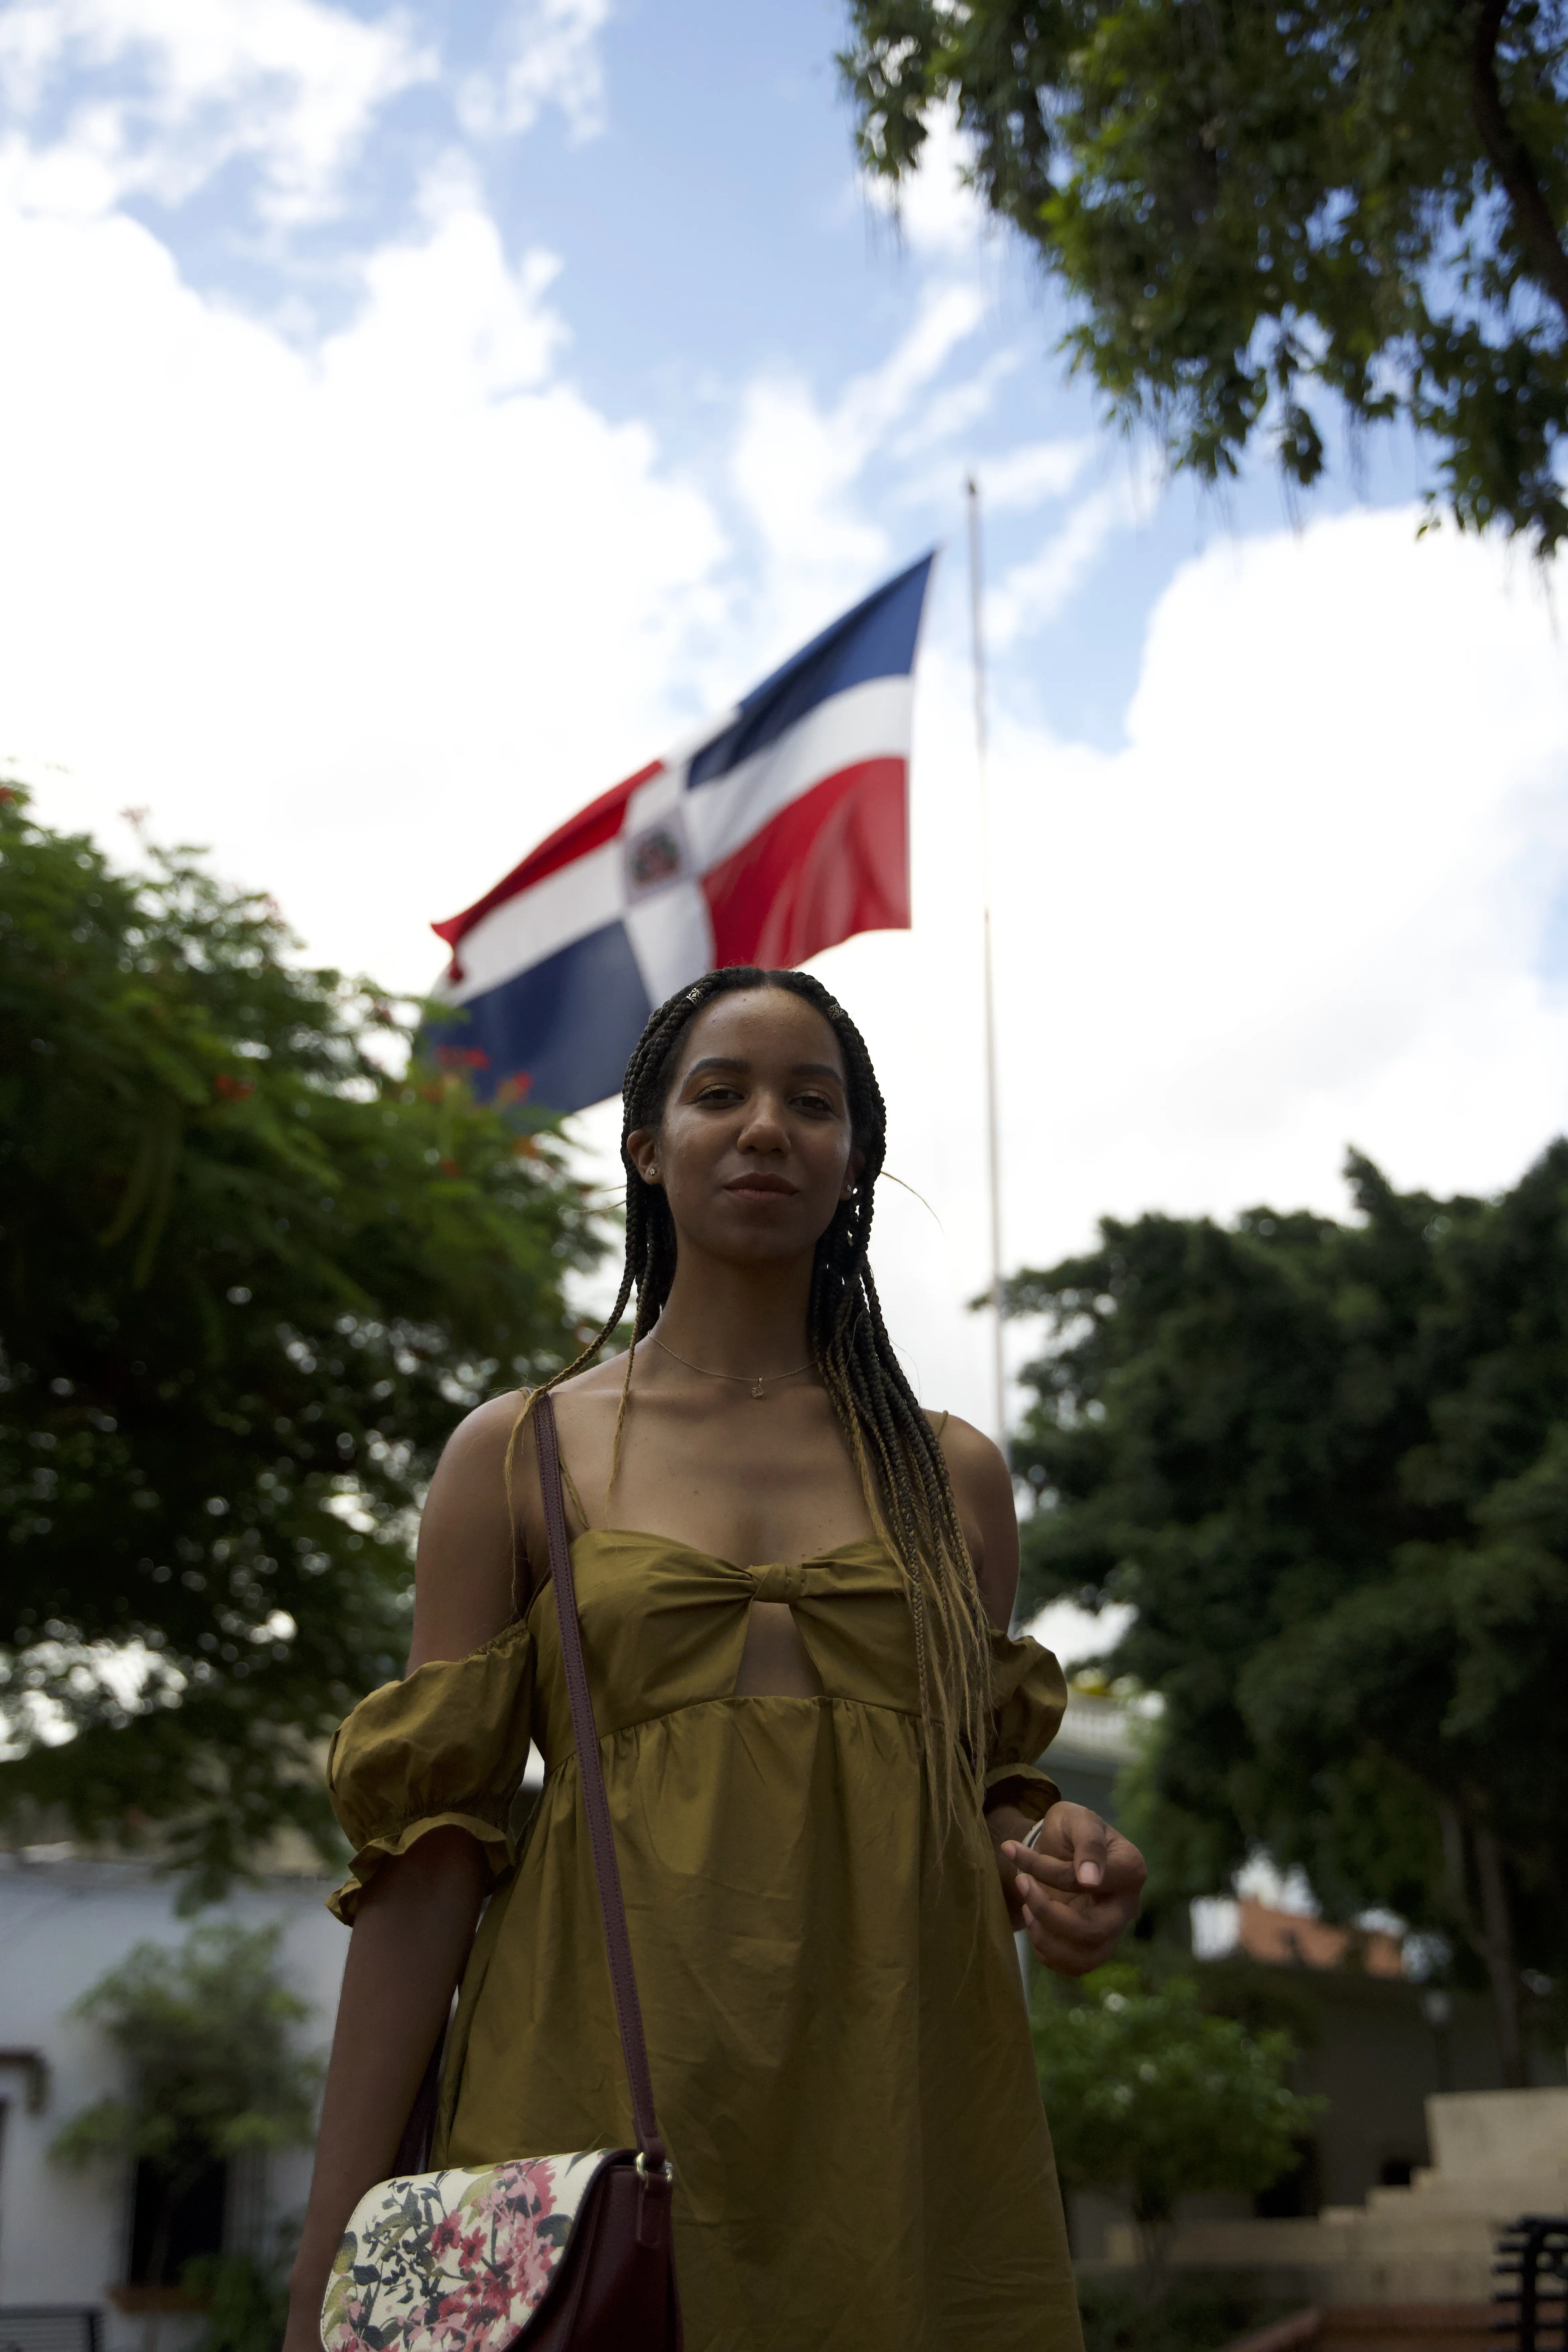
(1073, 1890)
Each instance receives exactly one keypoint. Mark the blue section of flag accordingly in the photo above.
(876, 640)
(568, 1024)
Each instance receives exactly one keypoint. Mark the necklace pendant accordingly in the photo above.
(757, 1390)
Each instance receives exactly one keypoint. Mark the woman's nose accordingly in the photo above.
(764, 1130)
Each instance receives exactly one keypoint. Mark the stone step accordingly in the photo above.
(1503, 2199)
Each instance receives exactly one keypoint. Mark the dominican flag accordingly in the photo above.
(777, 831)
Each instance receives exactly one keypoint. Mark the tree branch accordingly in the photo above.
(1456, 1890)
(1502, 1965)
(1489, 1936)
(1510, 160)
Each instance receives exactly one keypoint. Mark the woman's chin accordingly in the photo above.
(747, 1237)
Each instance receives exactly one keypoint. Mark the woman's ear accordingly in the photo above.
(852, 1173)
(642, 1149)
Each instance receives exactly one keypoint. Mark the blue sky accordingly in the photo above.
(427, 413)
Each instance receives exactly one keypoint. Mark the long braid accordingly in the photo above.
(902, 1470)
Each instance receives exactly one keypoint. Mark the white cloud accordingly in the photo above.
(370, 617)
(1074, 1635)
(1300, 909)
(938, 215)
(797, 465)
(293, 85)
(158, 97)
(369, 620)
(1031, 595)
(548, 56)
(1028, 476)
(953, 411)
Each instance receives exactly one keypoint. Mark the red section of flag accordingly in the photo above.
(833, 862)
(589, 829)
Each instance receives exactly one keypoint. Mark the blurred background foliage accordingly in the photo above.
(250, 1276)
(1327, 1464)
(207, 2037)
(1152, 2094)
(1263, 215)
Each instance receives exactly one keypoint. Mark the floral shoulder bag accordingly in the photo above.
(553, 2253)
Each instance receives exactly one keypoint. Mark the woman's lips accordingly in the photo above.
(761, 1188)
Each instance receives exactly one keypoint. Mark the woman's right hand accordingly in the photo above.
(1077, 1888)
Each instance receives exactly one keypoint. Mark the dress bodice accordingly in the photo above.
(664, 1626)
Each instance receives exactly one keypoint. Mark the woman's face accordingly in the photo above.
(753, 1149)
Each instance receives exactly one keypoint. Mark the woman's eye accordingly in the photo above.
(816, 1103)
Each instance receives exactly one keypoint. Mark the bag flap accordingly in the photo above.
(437, 2261)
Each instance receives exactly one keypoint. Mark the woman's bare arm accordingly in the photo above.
(410, 1940)
(417, 1918)
(1081, 1887)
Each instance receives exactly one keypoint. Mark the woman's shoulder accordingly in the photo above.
(970, 1454)
(983, 1489)
(490, 1457)
(463, 1577)
(488, 1472)
(483, 1438)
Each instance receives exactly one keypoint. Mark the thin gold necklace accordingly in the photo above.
(759, 1385)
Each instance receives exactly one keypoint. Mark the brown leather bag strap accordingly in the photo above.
(590, 1772)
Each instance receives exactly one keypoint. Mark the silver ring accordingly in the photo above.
(663, 2172)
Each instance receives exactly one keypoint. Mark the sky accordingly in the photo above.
(417, 417)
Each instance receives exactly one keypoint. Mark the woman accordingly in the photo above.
(794, 1589)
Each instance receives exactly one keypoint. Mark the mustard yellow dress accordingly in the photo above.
(840, 2054)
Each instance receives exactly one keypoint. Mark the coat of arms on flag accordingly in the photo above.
(779, 830)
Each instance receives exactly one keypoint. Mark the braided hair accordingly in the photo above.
(903, 1471)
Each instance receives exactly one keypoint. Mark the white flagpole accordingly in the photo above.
(992, 1144)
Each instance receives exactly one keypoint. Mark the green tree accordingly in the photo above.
(1148, 2094)
(206, 2035)
(1328, 1464)
(245, 2300)
(249, 1280)
(1253, 207)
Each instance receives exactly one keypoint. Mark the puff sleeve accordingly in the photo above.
(445, 1748)
(1030, 1696)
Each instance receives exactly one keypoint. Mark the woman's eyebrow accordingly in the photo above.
(734, 1062)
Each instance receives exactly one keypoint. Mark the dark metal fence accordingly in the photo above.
(1533, 2256)
(49, 2327)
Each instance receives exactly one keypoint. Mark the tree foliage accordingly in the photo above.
(1251, 206)
(1328, 1464)
(1147, 2092)
(248, 1282)
(245, 2300)
(207, 2040)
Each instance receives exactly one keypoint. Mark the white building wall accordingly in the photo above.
(63, 1924)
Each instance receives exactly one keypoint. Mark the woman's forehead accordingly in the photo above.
(756, 1024)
